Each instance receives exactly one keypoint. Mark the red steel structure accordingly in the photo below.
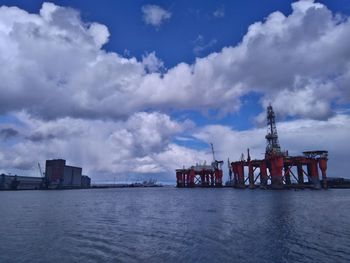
(200, 175)
(276, 169)
(276, 172)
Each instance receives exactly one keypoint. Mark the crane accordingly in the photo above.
(229, 169)
(216, 164)
(40, 171)
(212, 150)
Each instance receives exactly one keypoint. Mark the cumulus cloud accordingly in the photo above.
(140, 144)
(201, 45)
(152, 63)
(8, 133)
(56, 67)
(89, 105)
(154, 15)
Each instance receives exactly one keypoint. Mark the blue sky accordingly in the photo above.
(151, 83)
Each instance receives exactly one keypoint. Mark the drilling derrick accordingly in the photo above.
(273, 146)
(273, 155)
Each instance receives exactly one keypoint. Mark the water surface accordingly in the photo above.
(175, 225)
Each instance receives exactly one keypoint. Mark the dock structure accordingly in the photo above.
(57, 175)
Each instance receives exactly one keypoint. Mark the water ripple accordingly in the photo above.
(174, 225)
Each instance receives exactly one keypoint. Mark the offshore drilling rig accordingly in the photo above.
(277, 168)
(276, 171)
(201, 175)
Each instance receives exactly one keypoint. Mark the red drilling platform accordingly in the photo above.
(201, 175)
(275, 171)
(277, 168)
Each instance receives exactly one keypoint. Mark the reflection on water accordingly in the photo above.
(175, 225)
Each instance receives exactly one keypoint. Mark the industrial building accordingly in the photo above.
(57, 175)
(14, 182)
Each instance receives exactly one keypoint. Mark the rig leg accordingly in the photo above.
(178, 178)
(192, 176)
(203, 178)
(300, 174)
(218, 178)
(322, 162)
(314, 174)
(235, 174)
(276, 172)
(287, 175)
(263, 174)
(240, 171)
(251, 176)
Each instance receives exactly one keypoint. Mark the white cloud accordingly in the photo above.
(154, 15)
(201, 45)
(56, 67)
(84, 103)
(140, 144)
(100, 34)
(152, 63)
(220, 12)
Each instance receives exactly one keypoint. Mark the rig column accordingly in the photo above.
(300, 173)
(218, 178)
(314, 173)
(322, 162)
(308, 169)
(287, 174)
(212, 180)
(183, 177)
(240, 171)
(178, 178)
(263, 174)
(202, 178)
(192, 176)
(276, 172)
(235, 174)
(207, 179)
(251, 175)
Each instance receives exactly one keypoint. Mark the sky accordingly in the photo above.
(132, 90)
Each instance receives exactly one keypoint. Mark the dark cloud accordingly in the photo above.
(8, 133)
(38, 137)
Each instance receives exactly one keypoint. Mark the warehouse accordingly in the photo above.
(58, 175)
(15, 182)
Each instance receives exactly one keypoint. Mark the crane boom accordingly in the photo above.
(40, 171)
(212, 150)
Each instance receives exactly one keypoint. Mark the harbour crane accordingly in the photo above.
(216, 164)
(40, 171)
(212, 150)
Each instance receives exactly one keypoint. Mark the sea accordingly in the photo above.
(166, 224)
